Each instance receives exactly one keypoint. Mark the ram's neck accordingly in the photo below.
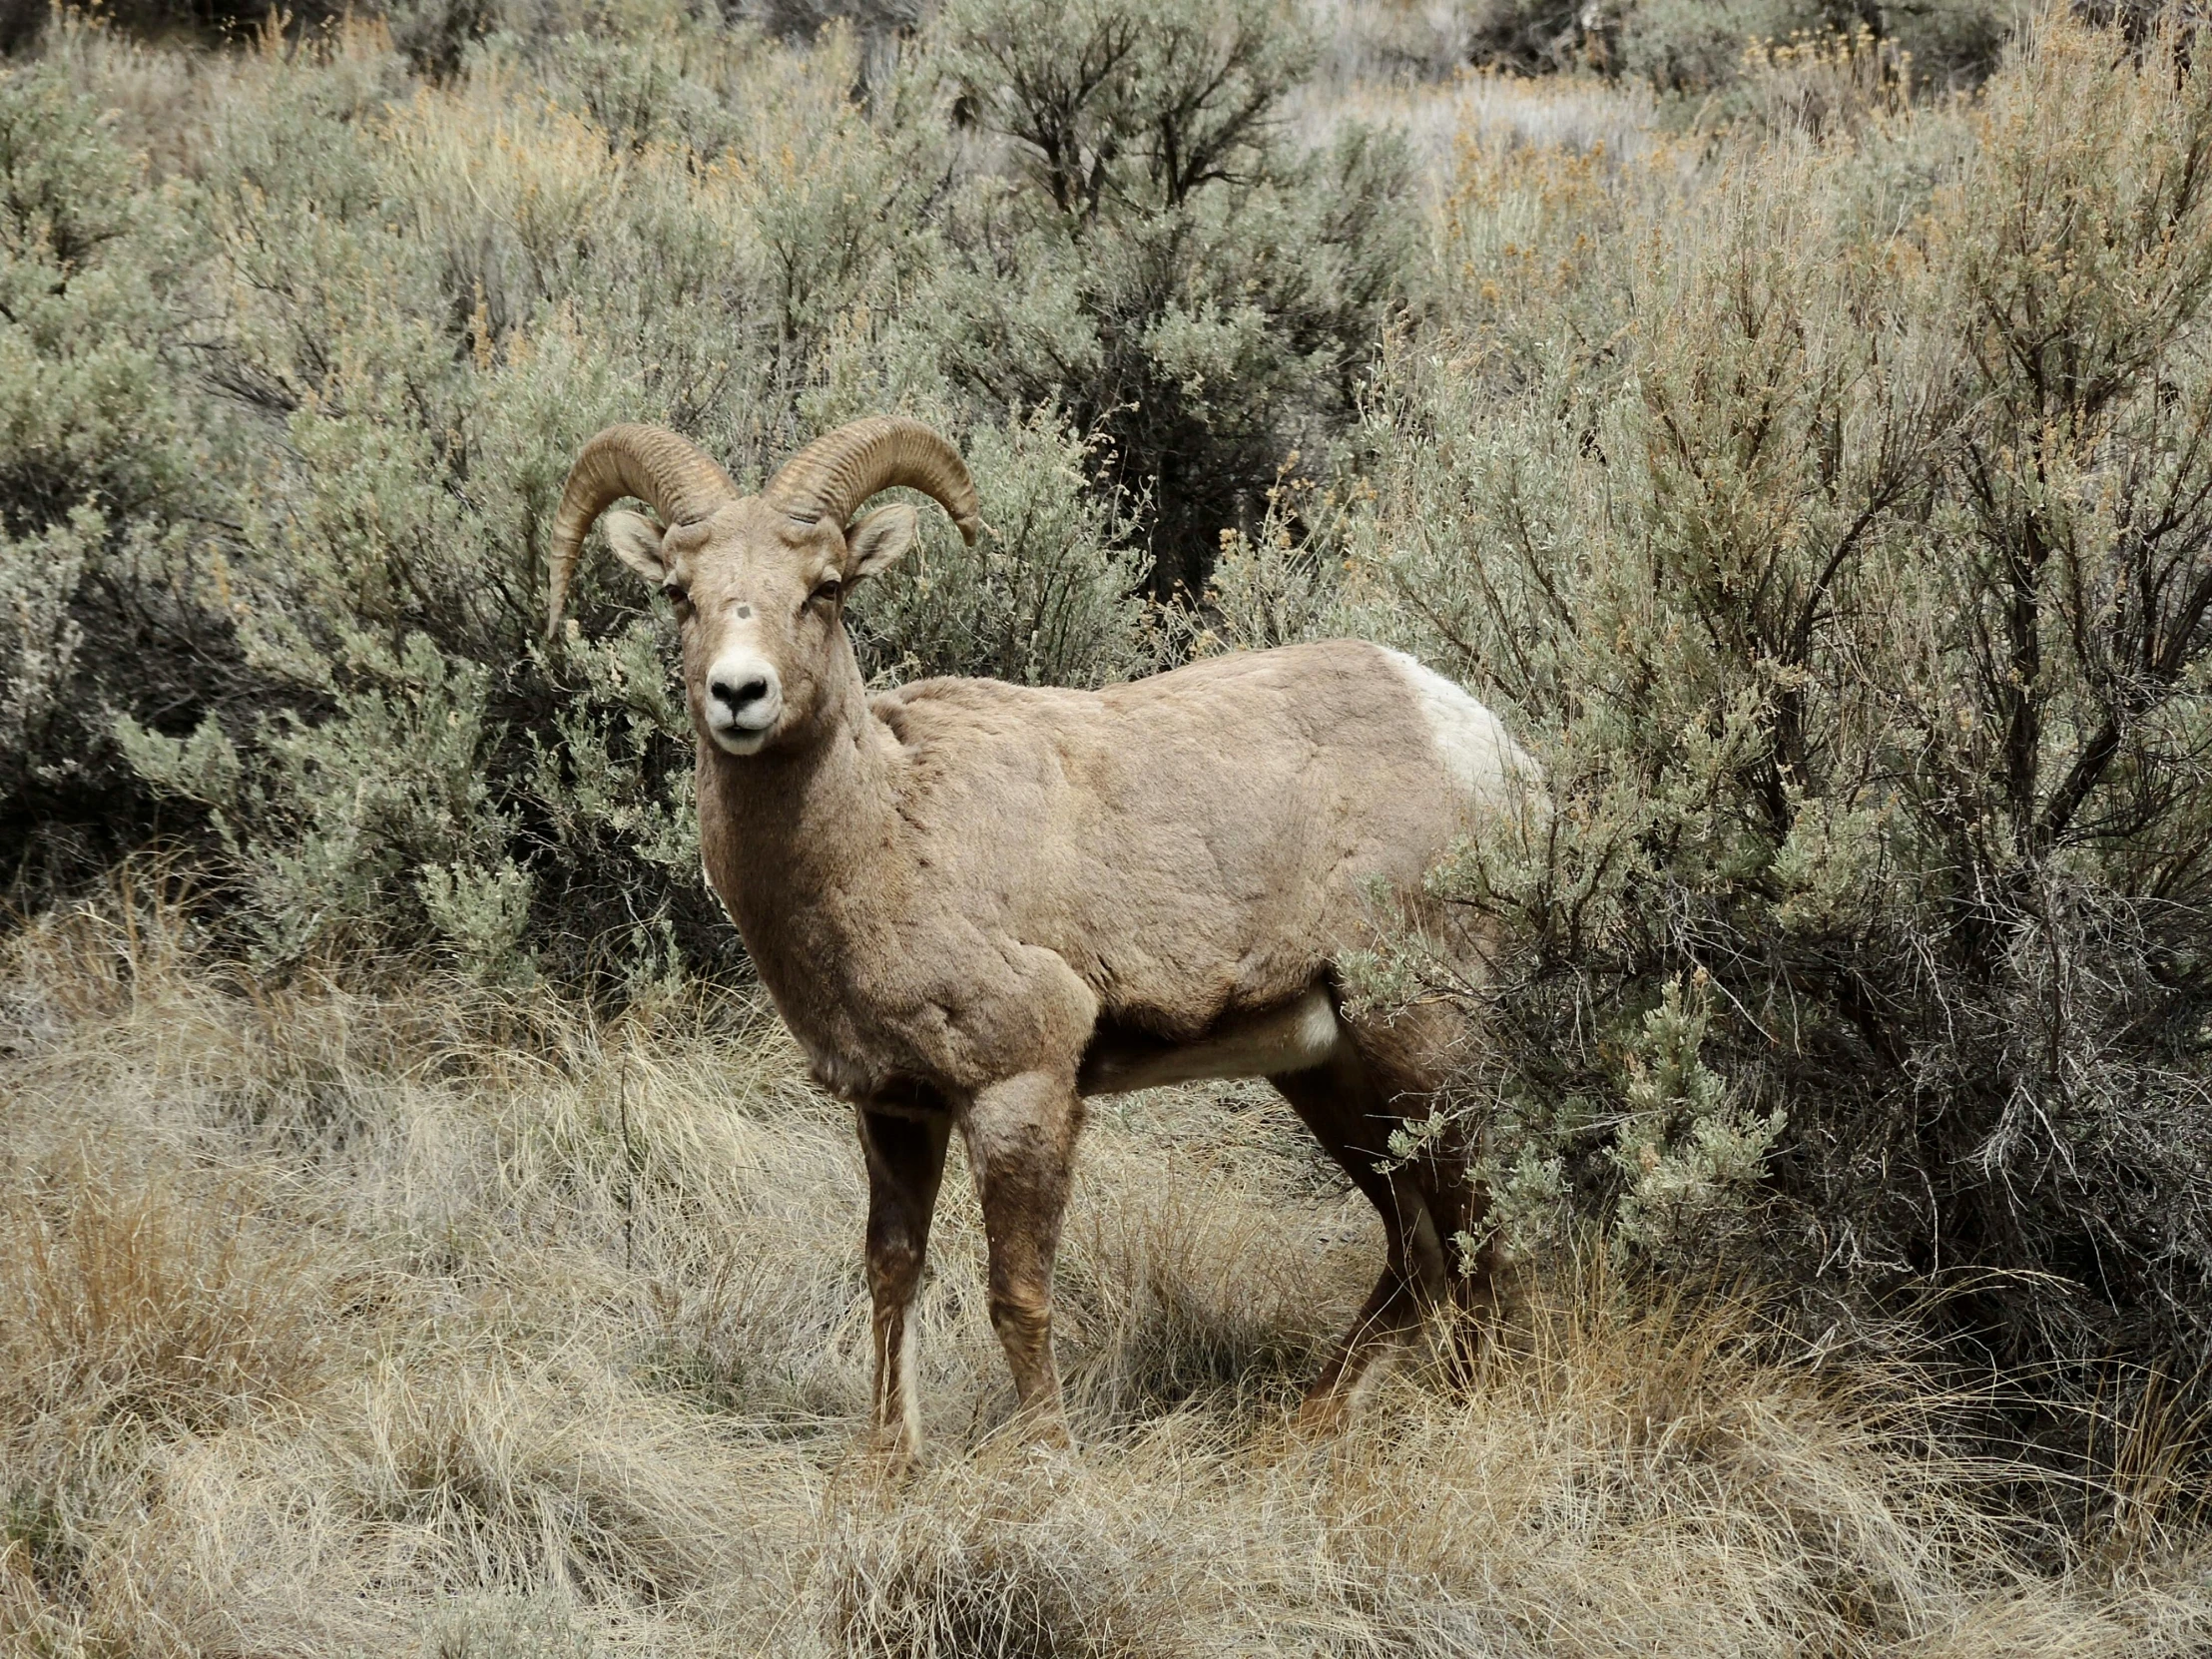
(804, 845)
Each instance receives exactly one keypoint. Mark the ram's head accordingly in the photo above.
(757, 581)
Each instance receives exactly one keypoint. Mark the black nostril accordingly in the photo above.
(741, 697)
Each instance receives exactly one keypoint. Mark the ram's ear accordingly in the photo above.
(879, 540)
(636, 540)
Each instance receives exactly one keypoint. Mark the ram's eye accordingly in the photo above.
(829, 592)
(676, 593)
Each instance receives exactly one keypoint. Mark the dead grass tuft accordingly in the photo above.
(158, 1301)
(1013, 1555)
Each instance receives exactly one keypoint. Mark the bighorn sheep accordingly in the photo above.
(976, 903)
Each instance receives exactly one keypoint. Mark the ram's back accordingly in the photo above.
(1205, 841)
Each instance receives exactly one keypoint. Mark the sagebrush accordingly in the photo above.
(1841, 520)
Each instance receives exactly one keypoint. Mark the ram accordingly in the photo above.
(976, 903)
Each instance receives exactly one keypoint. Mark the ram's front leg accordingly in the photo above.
(1022, 1142)
(906, 1160)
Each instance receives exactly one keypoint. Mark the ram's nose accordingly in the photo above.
(739, 696)
(744, 697)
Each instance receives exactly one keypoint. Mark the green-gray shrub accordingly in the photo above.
(1532, 37)
(1146, 247)
(1697, 47)
(1952, 43)
(1839, 529)
(104, 600)
(1041, 598)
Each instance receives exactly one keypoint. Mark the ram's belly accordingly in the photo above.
(1296, 1036)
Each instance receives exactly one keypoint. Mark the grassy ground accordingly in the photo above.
(441, 1324)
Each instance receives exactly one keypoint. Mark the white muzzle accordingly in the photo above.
(745, 699)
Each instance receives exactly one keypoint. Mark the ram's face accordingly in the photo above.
(758, 595)
(757, 581)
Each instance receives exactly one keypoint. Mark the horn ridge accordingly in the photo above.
(663, 469)
(841, 469)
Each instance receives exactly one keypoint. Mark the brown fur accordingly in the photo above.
(972, 902)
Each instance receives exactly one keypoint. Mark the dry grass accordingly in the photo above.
(448, 1325)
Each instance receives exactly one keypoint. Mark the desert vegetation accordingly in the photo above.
(417, 1236)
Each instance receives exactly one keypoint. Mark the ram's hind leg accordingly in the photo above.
(1409, 1062)
(1460, 1207)
(1340, 1104)
(906, 1161)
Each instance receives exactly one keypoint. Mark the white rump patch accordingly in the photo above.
(1478, 751)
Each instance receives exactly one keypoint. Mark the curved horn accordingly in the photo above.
(663, 469)
(841, 469)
